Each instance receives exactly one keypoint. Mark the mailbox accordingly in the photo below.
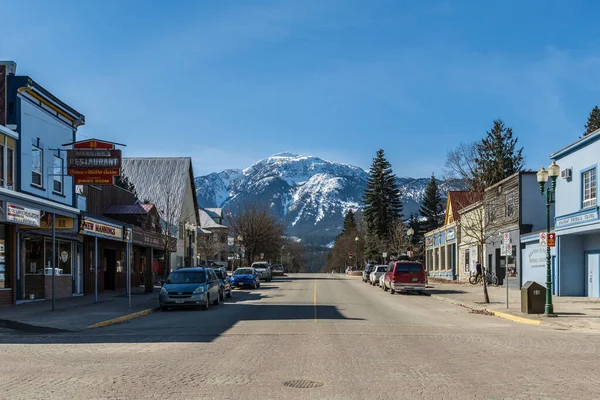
(533, 298)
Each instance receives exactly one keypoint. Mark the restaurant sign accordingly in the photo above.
(93, 162)
(101, 229)
(22, 215)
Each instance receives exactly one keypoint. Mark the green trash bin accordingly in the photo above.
(533, 298)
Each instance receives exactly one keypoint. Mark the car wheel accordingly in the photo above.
(206, 301)
(392, 291)
(229, 294)
(216, 300)
(163, 308)
(221, 296)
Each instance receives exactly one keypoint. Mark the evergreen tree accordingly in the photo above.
(382, 198)
(123, 182)
(433, 205)
(417, 226)
(593, 122)
(349, 223)
(497, 156)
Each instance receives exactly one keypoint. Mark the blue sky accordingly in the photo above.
(230, 82)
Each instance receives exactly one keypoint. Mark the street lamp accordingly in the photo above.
(356, 239)
(542, 178)
(239, 239)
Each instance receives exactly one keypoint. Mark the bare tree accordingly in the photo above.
(169, 229)
(477, 227)
(259, 230)
(398, 239)
(461, 164)
(210, 245)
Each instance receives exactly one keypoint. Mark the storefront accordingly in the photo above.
(8, 257)
(534, 260)
(105, 259)
(148, 254)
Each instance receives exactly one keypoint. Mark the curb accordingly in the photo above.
(123, 318)
(498, 314)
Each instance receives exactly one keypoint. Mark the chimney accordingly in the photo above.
(6, 68)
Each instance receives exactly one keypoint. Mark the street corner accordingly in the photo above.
(123, 318)
(515, 318)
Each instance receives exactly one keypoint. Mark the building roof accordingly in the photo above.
(129, 209)
(579, 143)
(206, 221)
(457, 200)
(218, 212)
(161, 181)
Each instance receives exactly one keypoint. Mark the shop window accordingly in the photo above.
(4, 278)
(37, 162)
(589, 188)
(64, 257)
(57, 175)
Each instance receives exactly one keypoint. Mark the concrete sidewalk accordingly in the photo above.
(77, 313)
(573, 313)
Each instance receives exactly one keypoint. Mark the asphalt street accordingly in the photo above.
(306, 336)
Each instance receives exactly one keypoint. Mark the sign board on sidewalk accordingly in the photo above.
(543, 239)
(384, 255)
(506, 238)
(552, 239)
(503, 250)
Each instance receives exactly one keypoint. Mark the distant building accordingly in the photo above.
(213, 245)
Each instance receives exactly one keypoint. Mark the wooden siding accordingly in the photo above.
(497, 204)
(99, 198)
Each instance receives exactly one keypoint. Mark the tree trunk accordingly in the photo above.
(167, 266)
(486, 296)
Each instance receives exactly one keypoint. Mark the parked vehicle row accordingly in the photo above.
(201, 286)
(398, 276)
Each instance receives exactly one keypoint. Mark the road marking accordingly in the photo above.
(315, 299)
(121, 319)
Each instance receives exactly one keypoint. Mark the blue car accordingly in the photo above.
(245, 277)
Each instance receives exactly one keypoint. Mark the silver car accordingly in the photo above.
(378, 271)
(190, 287)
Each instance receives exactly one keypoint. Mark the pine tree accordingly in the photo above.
(593, 122)
(497, 156)
(123, 182)
(349, 223)
(433, 205)
(382, 198)
(417, 226)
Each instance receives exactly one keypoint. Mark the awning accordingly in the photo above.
(29, 201)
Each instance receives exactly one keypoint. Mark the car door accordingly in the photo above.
(213, 284)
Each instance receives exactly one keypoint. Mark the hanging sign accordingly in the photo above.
(93, 162)
(551, 239)
(22, 215)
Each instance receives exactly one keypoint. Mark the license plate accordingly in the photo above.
(178, 301)
(414, 280)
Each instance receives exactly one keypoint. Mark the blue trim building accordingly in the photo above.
(577, 221)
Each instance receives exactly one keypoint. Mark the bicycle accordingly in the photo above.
(474, 278)
(492, 279)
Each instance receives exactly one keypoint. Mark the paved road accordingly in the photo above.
(354, 340)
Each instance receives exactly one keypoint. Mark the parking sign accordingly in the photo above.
(543, 239)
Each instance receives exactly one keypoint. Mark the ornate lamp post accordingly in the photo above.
(542, 177)
(356, 239)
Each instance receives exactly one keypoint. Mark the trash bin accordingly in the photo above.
(533, 298)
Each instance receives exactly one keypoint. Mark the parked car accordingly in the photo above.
(377, 272)
(245, 277)
(264, 270)
(225, 282)
(366, 272)
(190, 287)
(405, 276)
(278, 270)
(381, 278)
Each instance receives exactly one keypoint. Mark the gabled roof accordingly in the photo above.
(457, 200)
(162, 181)
(218, 212)
(206, 221)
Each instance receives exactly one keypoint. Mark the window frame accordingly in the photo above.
(58, 177)
(511, 196)
(35, 148)
(592, 201)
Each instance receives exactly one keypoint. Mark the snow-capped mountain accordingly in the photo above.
(310, 194)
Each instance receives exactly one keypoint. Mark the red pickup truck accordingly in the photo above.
(405, 276)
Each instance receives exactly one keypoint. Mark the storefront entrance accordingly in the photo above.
(110, 269)
(592, 273)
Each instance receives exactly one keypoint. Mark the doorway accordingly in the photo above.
(110, 269)
(592, 274)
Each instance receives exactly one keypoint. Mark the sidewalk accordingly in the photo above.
(76, 313)
(574, 313)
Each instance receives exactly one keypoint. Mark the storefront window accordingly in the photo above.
(4, 279)
(64, 259)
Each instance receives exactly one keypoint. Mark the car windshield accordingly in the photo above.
(409, 268)
(187, 277)
(381, 269)
(259, 266)
(243, 271)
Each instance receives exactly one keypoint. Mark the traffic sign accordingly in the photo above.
(384, 255)
(543, 239)
(350, 254)
(509, 249)
(551, 239)
(506, 237)
(503, 250)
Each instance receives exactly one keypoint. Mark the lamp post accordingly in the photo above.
(410, 232)
(356, 239)
(542, 178)
(239, 239)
